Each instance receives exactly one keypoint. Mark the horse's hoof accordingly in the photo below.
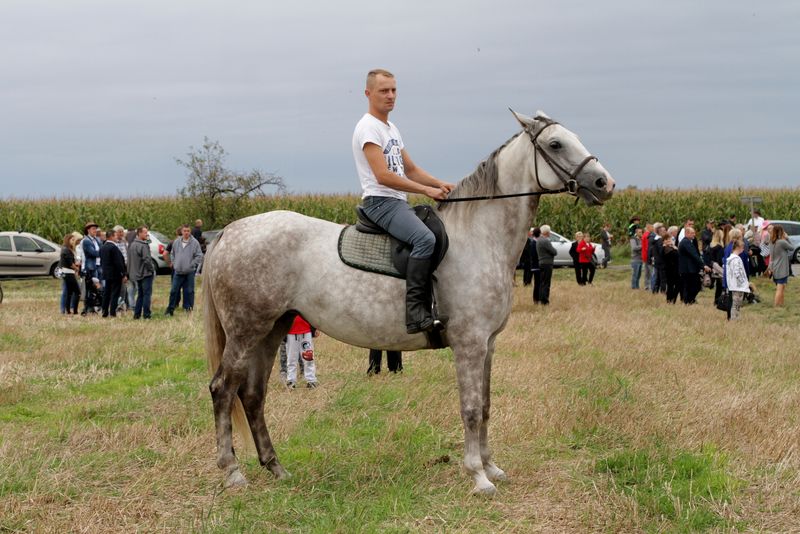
(495, 473)
(485, 490)
(277, 469)
(281, 473)
(235, 480)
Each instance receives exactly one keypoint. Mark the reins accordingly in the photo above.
(490, 197)
(569, 179)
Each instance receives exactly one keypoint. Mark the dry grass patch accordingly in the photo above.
(612, 411)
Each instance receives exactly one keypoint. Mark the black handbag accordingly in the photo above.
(724, 301)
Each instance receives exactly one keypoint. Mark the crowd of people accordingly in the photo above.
(113, 271)
(538, 259)
(724, 257)
(675, 261)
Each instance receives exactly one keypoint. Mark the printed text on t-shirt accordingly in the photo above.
(394, 159)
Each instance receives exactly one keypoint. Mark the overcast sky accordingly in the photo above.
(100, 97)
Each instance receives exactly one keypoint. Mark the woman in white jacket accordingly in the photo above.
(736, 278)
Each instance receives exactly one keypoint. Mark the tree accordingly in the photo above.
(218, 191)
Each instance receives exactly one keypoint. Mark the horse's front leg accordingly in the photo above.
(492, 471)
(469, 370)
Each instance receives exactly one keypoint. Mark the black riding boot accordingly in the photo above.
(418, 308)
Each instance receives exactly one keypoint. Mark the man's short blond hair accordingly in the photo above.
(371, 75)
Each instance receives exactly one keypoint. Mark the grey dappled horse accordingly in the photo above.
(265, 268)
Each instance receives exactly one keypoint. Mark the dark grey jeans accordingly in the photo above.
(398, 218)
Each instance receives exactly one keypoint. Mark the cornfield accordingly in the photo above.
(53, 218)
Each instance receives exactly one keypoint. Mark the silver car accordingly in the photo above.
(792, 229)
(562, 245)
(158, 250)
(26, 254)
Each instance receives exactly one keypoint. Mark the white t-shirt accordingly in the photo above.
(755, 221)
(372, 130)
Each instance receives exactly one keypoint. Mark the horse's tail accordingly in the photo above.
(215, 346)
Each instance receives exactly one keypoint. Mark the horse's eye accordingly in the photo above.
(555, 145)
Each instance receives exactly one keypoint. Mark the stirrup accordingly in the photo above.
(439, 321)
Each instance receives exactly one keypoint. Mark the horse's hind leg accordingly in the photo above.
(231, 373)
(492, 471)
(469, 369)
(253, 391)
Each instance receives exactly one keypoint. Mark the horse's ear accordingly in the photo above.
(524, 120)
(541, 115)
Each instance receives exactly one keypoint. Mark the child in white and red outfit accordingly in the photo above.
(299, 343)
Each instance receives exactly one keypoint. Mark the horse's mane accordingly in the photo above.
(482, 182)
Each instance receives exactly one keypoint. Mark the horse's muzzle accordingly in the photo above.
(598, 186)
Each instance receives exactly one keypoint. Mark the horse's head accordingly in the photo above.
(561, 162)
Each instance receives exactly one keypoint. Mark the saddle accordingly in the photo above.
(367, 246)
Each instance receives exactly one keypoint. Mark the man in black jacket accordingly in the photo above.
(573, 253)
(706, 235)
(656, 253)
(690, 264)
(525, 260)
(114, 274)
(536, 271)
(546, 252)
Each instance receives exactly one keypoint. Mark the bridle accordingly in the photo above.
(568, 178)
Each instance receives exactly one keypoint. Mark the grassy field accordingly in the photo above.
(612, 412)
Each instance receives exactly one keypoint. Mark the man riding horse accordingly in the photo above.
(387, 173)
(254, 288)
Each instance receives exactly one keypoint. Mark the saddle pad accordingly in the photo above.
(367, 252)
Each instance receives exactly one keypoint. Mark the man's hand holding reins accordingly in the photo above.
(436, 193)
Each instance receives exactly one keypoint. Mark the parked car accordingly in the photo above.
(26, 254)
(208, 237)
(158, 249)
(562, 245)
(792, 228)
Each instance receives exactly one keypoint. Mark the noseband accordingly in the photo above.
(568, 178)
